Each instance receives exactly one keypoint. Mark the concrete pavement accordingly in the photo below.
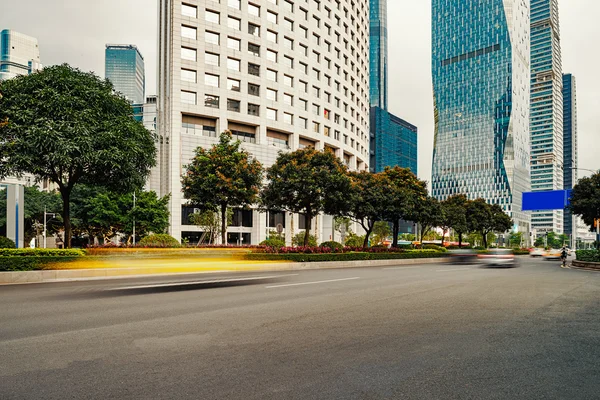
(409, 332)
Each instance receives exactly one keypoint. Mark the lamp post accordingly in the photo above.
(134, 218)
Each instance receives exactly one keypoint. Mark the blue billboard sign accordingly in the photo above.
(545, 201)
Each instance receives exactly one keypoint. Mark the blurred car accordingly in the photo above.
(553, 254)
(499, 257)
(463, 256)
(537, 252)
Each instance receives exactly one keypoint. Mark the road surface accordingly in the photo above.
(418, 332)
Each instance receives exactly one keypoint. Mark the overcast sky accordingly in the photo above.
(76, 31)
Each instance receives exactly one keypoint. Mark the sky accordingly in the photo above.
(77, 31)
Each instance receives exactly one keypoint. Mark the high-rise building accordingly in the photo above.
(393, 141)
(378, 53)
(570, 147)
(279, 75)
(124, 67)
(546, 110)
(147, 114)
(19, 54)
(481, 79)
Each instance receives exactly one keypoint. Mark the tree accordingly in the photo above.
(402, 192)
(515, 239)
(307, 182)
(343, 226)
(485, 218)
(209, 222)
(429, 214)
(381, 231)
(224, 176)
(70, 127)
(585, 200)
(455, 215)
(366, 200)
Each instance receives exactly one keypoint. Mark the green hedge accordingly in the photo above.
(30, 263)
(588, 256)
(41, 252)
(6, 243)
(343, 256)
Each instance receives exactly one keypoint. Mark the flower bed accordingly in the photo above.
(347, 256)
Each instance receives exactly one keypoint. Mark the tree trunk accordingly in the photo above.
(396, 229)
(485, 243)
(443, 236)
(368, 227)
(459, 240)
(66, 198)
(308, 218)
(224, 224)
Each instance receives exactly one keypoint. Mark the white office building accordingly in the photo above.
(19, 54)
(280, 75)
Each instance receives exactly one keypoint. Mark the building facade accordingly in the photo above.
(279, 76)
(393, 141)
(570, 147)
(481, 82)
(546, 110)
(378, 53)
(124, 67)
(19, 54)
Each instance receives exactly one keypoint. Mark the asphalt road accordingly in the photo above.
(418, 332)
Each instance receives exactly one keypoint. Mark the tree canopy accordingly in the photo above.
(307, 182)
(70, 127)
(484, 218)
(455, 215)
(221, 177)
(585, 199)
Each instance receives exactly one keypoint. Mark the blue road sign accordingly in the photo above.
(545, 201)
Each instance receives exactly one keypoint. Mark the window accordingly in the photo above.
(254, 29)
(253, 109)
(304, 104)
(234, 43)
(234, 4)
(271, 55)
(272, 114)
(288, 99)
(288, 61)
(302, 122)
(288, 24)
(188, 75)
(188, 97)
(234, 84)
(253, 10)
(289, 43)
(253, 89)
(211, 101)
(211, 80)
(212, 16)
(234, 23)
(271, 17)
(253, 69)
(233, 64)
(211, 38)
(272, 36)
(272, 75)
(288, 80)
(188, 10)
(254, 49)
(211, 59)
(188, 32)
(233, 105)
(271, 94)
(188, 54)
(316, 127)
(288, 118)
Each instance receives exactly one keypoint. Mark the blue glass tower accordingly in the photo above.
(481, 81)
(570, 149)
(378, 53)
(124, 67)
(393, 140)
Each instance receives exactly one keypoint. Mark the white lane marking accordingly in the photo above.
(456, 269)
(313, 283)
(174, 284)
(402, 268)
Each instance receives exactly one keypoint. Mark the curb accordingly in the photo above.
(50, 276)
(587, 266)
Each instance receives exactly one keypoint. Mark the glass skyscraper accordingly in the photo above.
(124, 67)
(570, 147)
(378, 53)
(546, 110)
(481, 82)
(19, 54)
(393, 141)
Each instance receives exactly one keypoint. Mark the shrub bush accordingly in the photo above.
(301, 257)
(334, 246)
(520, 252)
(434, 247)
(30, 263)
(161, 240)
(479, 248)
(273, 242)
(41, 252)
(298, 240)
(355, 241)
(6, 243)
(588, 255)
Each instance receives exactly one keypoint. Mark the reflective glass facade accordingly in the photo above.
(481, 81)
(124, 67)
(546, 110)
(570, 145)
(393, 141)
(378, 53)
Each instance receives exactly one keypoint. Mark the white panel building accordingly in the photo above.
(279, 74)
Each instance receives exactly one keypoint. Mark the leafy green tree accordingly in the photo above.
(381, 231)
(366, 200)
(403, 192)
(429, 214)
(209, 222)
(224, 176)
(585, 200)
(515, 239)
(307, 182)
(299, 239)
(485, 218)
(69, 127)
(455, 215)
